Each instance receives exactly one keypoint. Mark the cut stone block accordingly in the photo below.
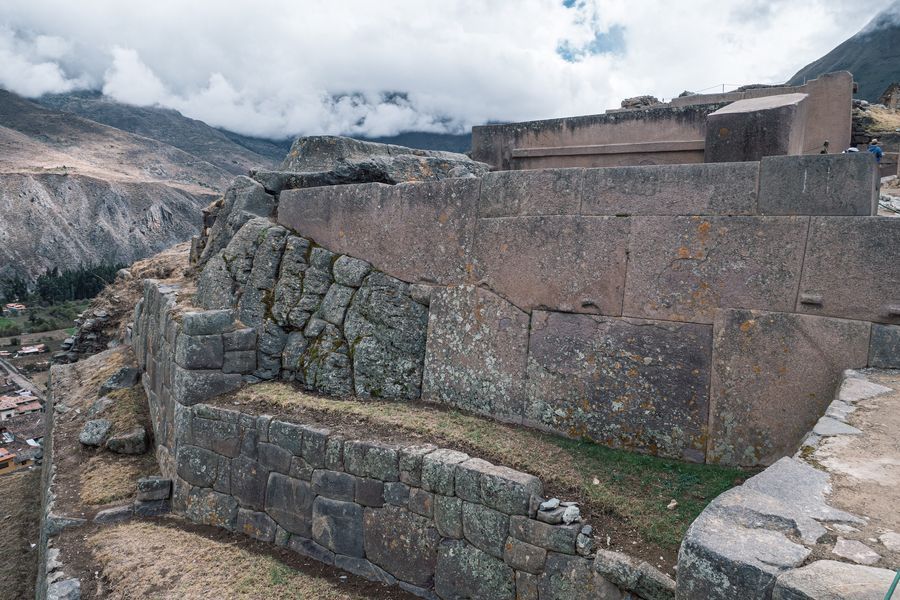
(419, 216)
(851, 270)
(574, 578)
(701, 189)
(752, 128)
(621, 382)
(684, 268)
(819, 184)
(289, 501)
(464, 571)
(571, 264)
(475, 353)
(531, 193)
(338, 526)
(402, 543)
(773, 376)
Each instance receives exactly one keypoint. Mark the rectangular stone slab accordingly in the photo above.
(852, 269)
(773, 376)
(572, 264)
(701, 189)
(475, 353)
(415, 232)
(626, 383)
(536, 192)
(819, 184)
(684, 268)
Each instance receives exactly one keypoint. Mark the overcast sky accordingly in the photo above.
(276, 68)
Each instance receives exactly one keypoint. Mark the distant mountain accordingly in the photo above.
(231, 152)
(872, 55)
(75, 192)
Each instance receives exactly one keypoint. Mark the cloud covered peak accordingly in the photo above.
(277, 68)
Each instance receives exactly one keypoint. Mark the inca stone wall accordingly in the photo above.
(702, 312)
(436, 522)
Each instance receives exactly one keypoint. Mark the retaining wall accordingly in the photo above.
(636, 306)
(677, 132)
(436, 522)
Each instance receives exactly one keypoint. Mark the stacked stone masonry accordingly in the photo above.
(436, 522)
(634, 305)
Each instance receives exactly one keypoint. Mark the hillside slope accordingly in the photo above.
(229, 151)
(872, 55)
(49, 219)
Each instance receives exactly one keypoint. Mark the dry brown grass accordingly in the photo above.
(109, 478)
(101, 370)
(129, 409)
(884, 119)
(20, 505)
(151, 561)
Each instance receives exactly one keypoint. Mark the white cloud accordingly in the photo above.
(282, 67)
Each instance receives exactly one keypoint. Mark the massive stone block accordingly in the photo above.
(622, 382)
(338, 526)
(851, 269)
(819, 184)
(476, 352)
(464, 571)
(289, 501)
(402, 543)
(386, 331)
(683, 268)
(702, 189)
(573, 578)
(773, 376)
(572, 264)
(417, 232)
(756, 127)
(531, 193)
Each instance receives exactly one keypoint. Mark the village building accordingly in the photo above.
(891, 96)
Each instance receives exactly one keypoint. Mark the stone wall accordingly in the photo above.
(677, 132)
(635, 306)
(433, 521)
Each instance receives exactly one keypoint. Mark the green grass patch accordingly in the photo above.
(628, 492)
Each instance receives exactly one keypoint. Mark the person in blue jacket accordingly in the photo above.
(875, 149)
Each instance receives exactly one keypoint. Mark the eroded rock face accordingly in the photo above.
(327, 321)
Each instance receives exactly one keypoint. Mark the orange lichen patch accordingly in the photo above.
(747, 325)
(684, 252)
(703, 228)
(443, 218)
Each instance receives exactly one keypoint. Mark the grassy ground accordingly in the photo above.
(43, 318)
(155, 561)
(20, 505)
(626, 495)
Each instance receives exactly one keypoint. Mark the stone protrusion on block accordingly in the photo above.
(634, 575)
(475, 353)
(766, 396)
(192, 387)
(819, 184)
(699, 189)
(153, 488)
(850, 270)
(621, 382)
